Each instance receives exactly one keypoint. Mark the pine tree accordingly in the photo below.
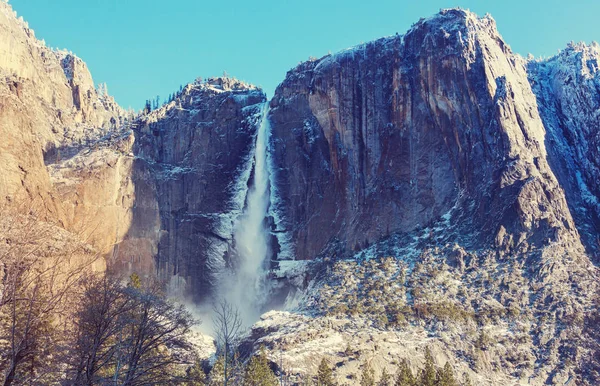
(385, 379)
(446, 376)
(102, 90)
(428, 374)
(404, 377)
(306, 380)
(348, 351)
(325, 374)
(368, 376)
(135, 281)
(258, 372)
(195, 375)
(216, 377)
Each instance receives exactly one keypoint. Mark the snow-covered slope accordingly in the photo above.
(567, 87)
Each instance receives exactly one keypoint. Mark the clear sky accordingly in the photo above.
(145, 48)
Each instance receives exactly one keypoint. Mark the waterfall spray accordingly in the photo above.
(246, 286)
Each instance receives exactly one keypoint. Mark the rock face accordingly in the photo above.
(391, 135)
(155, 195)
(567, 87)
(444, 149)
(195, 157)
(162, 194)
(48, 102)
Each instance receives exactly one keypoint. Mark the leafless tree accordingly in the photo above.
(227, 323)
(156, 337)
(62, 323)
(41, 265)
(102, 304)
(130, 335)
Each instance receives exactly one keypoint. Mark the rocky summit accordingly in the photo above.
(431, 194)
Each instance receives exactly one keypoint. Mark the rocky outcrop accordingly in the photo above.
(97, 190)
(195, 157)
(157, 195)
(160, 196)
(391, 135)
(443, 143)
(567, 87)
(48, 102)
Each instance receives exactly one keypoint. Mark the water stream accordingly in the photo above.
(246, 287)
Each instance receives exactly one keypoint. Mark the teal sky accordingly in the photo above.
(145, 48)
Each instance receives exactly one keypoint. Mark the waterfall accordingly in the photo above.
(246, 285)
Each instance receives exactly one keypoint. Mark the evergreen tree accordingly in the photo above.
(348, 351)
(195, 375)
(235, 370)
(216, 377)
(385, 379)
(446, 376)
(258, 372)
(428, 374)
(404, 377)
(368, 376)
(102, 90)
(325, 374)
(135, 281)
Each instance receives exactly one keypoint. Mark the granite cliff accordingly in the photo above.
(49, 102)
(391, 135)
(162, 190)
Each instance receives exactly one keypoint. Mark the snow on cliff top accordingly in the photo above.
(578, 59)
(451, 20)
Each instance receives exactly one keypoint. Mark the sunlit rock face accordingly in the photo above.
(159, 196)
(391, 135)
(48, 101)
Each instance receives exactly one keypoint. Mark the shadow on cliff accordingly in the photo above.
(187, 171)
(135, 252)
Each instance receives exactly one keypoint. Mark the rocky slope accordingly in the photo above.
(49, 102)
(567, 88)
